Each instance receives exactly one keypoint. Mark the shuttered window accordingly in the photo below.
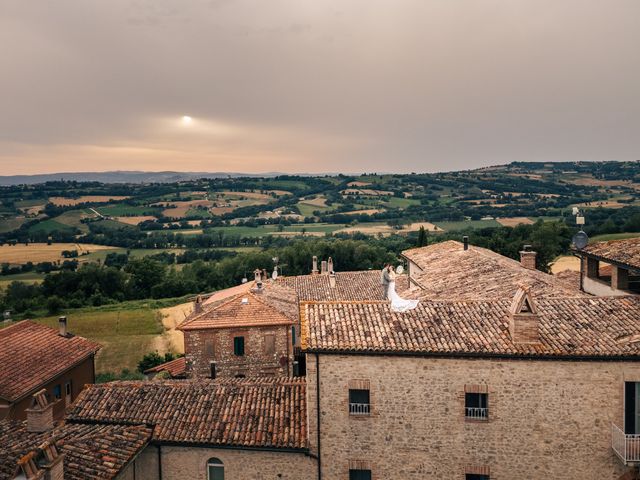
(238, 346)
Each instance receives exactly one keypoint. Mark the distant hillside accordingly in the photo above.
(121, 177)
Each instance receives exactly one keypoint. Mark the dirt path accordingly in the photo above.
(173, 339)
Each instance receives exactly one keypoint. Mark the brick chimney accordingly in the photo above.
(53, 462)
(314, 268)
(528, 258)
(330, 265)
(323, 267)
(62, 327)
(197, 305)
(40, 415)
(524, 323)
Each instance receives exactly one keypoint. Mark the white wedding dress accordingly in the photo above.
(399, 304)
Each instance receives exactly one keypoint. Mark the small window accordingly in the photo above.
(359, 474)
(68, 389)
(359, 403)
(215, 469)
(476, 476)
(476, 406)
(238, 346)
(293, 336)
(269, 344)
(57, 391)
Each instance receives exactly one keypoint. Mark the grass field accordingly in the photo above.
(613, 236)
(452, 226)
(29, 277)
(125, 335)
(50, 226)
(127, 210)
(30, 203)
(63, 201)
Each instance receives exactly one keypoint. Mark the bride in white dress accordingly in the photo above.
(398, 304)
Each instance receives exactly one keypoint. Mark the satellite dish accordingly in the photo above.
(580, 240)
(399, 269)
(274, 275)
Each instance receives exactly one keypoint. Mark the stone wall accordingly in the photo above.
(548, 420)
(204, 346)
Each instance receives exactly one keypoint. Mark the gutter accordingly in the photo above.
(173, 443)
(318, 414)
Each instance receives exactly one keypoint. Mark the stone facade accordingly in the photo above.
(267, 351)
(179, 463)
(547, 419)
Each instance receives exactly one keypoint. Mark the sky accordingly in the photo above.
(308, 86)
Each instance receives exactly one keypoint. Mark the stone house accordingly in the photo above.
(611, 268)
(35, 357)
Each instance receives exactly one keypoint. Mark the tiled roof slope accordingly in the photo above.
(579, 326)
(175, 368)
(235, 312)
(91, 451)
(625, 251)
(32, 354)
(253, 413)
(450, 272)
(350, 286)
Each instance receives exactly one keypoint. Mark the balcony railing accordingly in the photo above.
(626, 446)
(359, 409)
(475, 413)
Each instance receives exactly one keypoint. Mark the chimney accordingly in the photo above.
(332, 279)
(53, 462)
(257, 275)
(197, 305)
(265, 276)
(528, 258)
(62, 326)
(465, 241)
(40, 415)
(524, 323)
(323, 267)
(314, 269)
(330, 265)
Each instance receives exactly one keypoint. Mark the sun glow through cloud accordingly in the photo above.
(187, 120)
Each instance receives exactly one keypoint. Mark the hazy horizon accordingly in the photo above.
(299, 86)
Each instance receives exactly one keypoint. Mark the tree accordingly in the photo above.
(54, 305)
(154, 359)
(422, 237)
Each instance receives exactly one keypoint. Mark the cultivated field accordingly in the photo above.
(65, 202)
(135, 220)
(513, 221)
(41, 252)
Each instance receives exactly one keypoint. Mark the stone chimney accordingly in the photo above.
(332, 279)
(62, 327)
(330, 265)
(40, 415)
(197, 305)
(323, 267)
(524, 323)
(257, 275)
(53, 462)
(28, 466)
(528, 258)
(314, 268)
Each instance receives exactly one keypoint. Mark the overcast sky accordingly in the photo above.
(316, 85)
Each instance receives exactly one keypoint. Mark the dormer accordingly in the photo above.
(524, 323)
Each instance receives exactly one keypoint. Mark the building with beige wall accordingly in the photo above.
(611, 268)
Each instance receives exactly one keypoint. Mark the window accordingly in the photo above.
(358, 474)
(359, 403)
(269, 344)
(238, 346)
(67, 388)
(215, 469)
(475, 405)
(293, 336)
(57, 391)
(476, 476)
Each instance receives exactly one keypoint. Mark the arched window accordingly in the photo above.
(215, 469)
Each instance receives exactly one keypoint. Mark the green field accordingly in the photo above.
(29, 277)
(614, 236)
(397, 202)
(31, 202)
(125, 335)
(307, 210)
(453, 226)
(50, 226)
(122, 210)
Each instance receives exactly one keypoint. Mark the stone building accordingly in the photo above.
(35, 357)
(529, 387)
(611, 268)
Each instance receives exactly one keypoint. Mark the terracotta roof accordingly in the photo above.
(450, 272)
(244, 310)
(32, 354)
(91, 451)
(578, 326)
(569, 277)
(227, 293)
(253, 413)
(175, 368)
(351, 286)
(626, 252)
